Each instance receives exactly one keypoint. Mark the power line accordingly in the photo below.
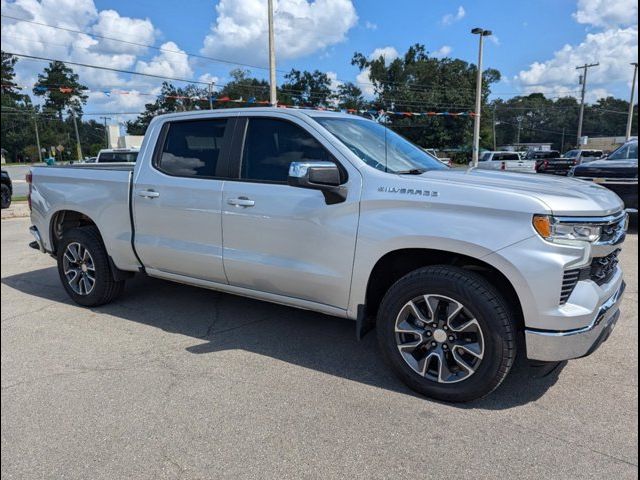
(194, 55)
(110, 69)
(137, 44)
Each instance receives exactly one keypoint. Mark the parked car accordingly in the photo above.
(506, 161)
(583, 155)
(117, 155)
(7, 189)
(304, 208)
(617, 172)
(444, 160)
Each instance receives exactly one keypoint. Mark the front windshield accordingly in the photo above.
(379, 146)
(626, 152)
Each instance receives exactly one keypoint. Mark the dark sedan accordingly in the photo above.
(617, 172)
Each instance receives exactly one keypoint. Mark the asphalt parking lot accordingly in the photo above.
(177, 382)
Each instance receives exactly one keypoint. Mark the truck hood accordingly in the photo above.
(563, 196)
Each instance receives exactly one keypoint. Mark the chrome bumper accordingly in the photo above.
(549, 346)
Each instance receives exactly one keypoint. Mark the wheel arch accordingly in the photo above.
(64, 220)
(395, 264)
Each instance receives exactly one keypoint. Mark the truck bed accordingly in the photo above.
(100, 192)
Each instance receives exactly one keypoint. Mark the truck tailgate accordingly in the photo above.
(523, 166)
(101, 194)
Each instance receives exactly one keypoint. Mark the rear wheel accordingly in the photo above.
(84, 269)
(447, 333)
(6, 196)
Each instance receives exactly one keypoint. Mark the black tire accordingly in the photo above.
(481, 300)
(105, 288)
(6, 196)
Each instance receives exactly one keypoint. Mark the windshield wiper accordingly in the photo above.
(413, 171)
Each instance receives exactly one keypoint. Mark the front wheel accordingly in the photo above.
(83, 266)
(447, 333)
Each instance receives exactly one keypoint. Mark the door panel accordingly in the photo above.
(177, 204)
(281, 239)
(290, 242)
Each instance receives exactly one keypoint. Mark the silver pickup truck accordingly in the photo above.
(333, 213)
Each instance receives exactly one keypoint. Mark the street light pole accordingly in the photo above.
(106, 131)
(476, 123)
(633, 99)
(273, 99)
(586, 68)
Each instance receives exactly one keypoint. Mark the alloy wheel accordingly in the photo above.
(79, 268)
(439, 338)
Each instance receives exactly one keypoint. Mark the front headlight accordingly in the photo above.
(553, 229)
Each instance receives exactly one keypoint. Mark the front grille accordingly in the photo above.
(601, 271)
(569, 283)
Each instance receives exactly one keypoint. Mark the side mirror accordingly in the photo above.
(323, 176)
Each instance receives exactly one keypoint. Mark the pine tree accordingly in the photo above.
(62, 91)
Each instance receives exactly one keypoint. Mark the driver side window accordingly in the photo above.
(271, 145)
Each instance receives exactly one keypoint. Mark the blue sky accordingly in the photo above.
(536, 45)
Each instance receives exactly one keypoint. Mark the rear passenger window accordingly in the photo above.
(192, 149)
(271, 145)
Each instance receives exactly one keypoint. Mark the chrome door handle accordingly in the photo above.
(241, 202)
(148, 194)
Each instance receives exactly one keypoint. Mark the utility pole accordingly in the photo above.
(633, 99)
(495, 144)
(476, 124)
(564, 129)
(75, 127)
(583, 81)
(272, 58)
(211, 96)
(106, 131)
(35, 124)
(519, 119)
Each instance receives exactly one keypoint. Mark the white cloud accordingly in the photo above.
(451, 18)
(613, 44)
(613, 49)
(134, 30)
(363, 80)
(607, 13)
(302, 27)
(171, 62)
(208, 78)
(442, 52)
(370, 25)
(30, 39)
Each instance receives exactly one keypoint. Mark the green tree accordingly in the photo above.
(350, 97)
(417, 82)
(11, 95)
(309, 89)
(171, 99)
(62, 91)
(243, 86)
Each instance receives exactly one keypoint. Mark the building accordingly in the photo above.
(525, 147)
(117, 140)
(606, 144)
